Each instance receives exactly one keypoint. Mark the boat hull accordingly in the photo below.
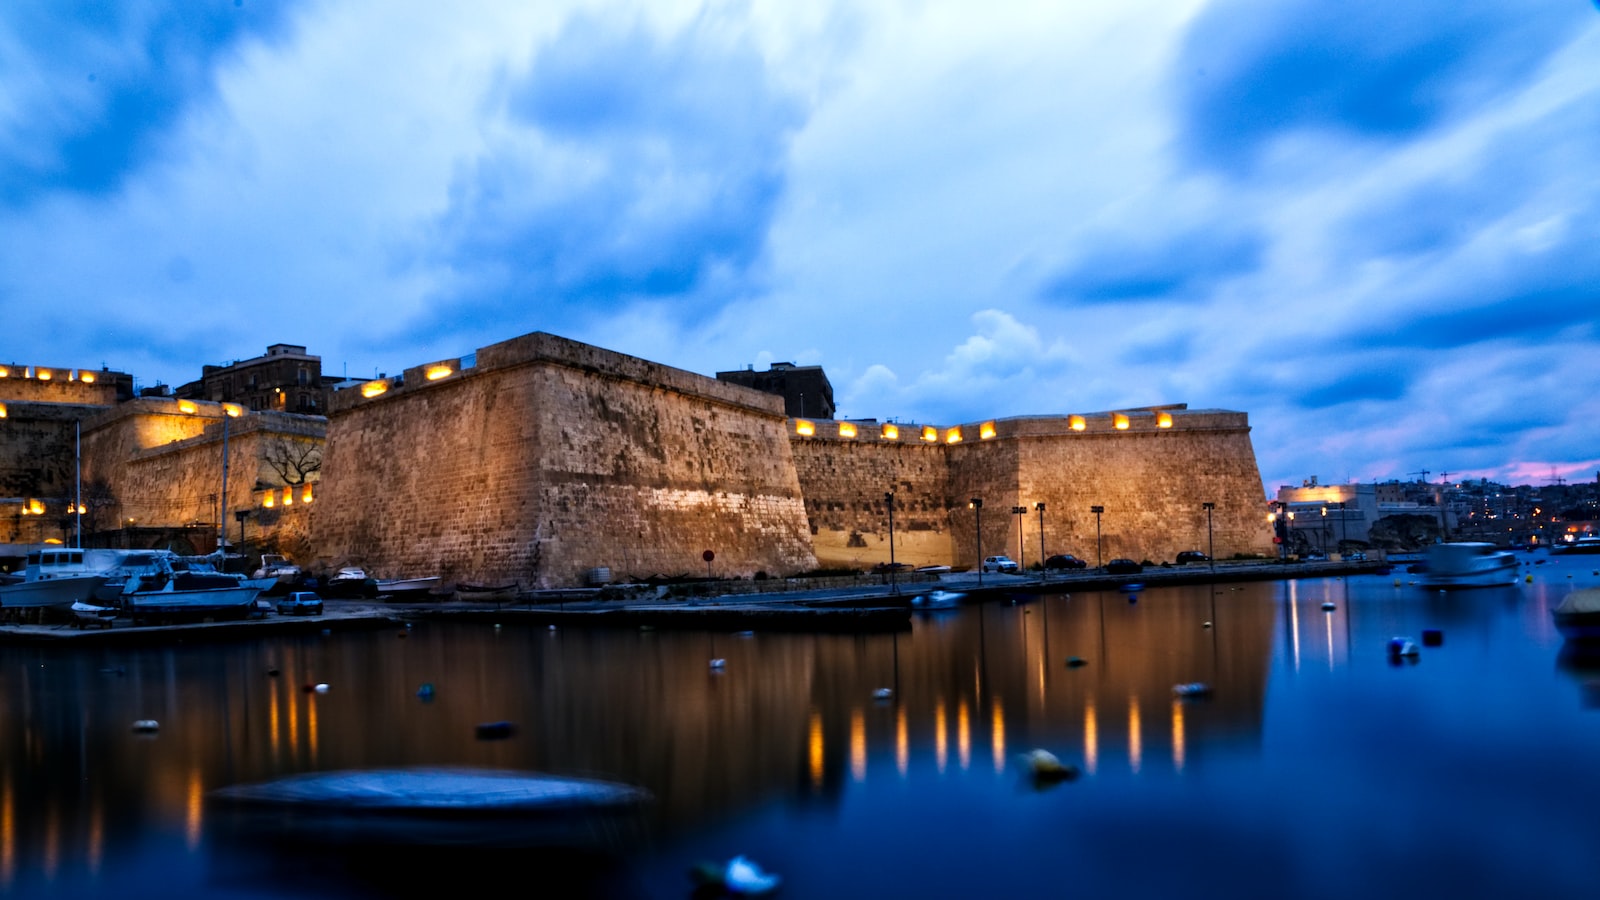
(51, 593)
(232, 602)
(1468, 565)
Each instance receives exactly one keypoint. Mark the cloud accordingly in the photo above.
(1156, 264)
(626, 166)
(90, 89)
(1253, 71)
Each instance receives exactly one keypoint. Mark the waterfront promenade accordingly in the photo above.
(870, 603)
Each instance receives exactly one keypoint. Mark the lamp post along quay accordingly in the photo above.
(1211, 544)
(977, 512)
(894, 583)
(1043, 571)
(1097, 510)
(1019, 512)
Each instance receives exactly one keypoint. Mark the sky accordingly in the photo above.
(1369, 225)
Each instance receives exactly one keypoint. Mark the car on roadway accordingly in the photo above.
(1122, 566)
(300, 603)
(1065, 561)
(1192, 556)
(1000, 564)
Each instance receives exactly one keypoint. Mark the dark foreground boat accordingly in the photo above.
(1577, 616)
(438, 807)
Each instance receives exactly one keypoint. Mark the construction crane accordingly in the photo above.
(1444, 477)
(1423, 473)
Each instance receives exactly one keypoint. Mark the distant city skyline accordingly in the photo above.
(1369, 226)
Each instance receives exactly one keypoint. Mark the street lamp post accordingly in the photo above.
(977, 512)
(1211, 545)
(1042, 570)
(1019, 512)
(894, 583)
(1097, 510)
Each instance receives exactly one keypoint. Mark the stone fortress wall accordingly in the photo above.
(547, 459)
(1152, 476)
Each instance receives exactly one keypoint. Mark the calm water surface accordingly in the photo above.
(1317, 767)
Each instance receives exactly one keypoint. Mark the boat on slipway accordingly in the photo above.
(53, 578)
(192, 595)
(407, 588)
(1466, 564)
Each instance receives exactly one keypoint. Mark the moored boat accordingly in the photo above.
(53, 578)
(486, 593)
(1468, 564)
(1589, 543)
(407, 588)
(1577, 616)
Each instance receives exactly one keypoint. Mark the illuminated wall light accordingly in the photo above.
(986, 431)
(305, 494)
(437, 372)
(233, 410)
(847, 429)
(891, 433)
(72, 374)
(930, 433)
(374, 388)
(1164, 420)
(44, 375)
(35, 507)
(269, 499)
(804, 428)
(185, 406)
(288, 496)
(86, 377)
(5, 372)
(953, 436)
(2, 410)
(1077, 423)
(1120, 421)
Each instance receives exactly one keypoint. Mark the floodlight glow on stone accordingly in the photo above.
(1164, 420)
(374, 388)
(804, 428)
(891, 433)
(953, 436)
(847, 429)
(930, 433)
(43, 375)
(185, 406)
(1077, 423)
(86, 377)
(437, 372)
(986, 431)
(1120, 421)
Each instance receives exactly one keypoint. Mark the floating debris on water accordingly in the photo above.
(1045, 768)
(882, 694)
(146, 726)
(1400, 646)
(1327, 606)
(719, 664)
(426, 691)
(1191, 689)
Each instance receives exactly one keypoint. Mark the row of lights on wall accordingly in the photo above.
(286, 497)
(41, 374)
(36, 508)
(930, 434)
(432, 373)
(189, 408)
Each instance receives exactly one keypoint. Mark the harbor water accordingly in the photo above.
(1312, 761)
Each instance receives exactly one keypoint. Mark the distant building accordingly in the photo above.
(286, 379)
(805, 390)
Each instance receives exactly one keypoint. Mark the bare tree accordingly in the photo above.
(293, 460)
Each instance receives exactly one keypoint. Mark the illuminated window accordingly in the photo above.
(847, 429)
(1120, 421)
(374, 388)
(986, 431)
(1077, 423)
(1164, 420)
(441, 371)
(86, 377)
(953, 436)
(186, 406)
(804, 428)
(930, 433)
(891, 433)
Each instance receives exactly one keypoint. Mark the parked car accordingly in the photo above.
(1192, 556)
(1121, 566)
(1000, 564)
(300, 603)
(1065, 561)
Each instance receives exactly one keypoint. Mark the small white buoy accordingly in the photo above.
(882, 694)
(321, 688)
(1205, 625)
(1327, 606)
(552, 627)
(146, 726)
(745, 877)
(1400, 646)
(497, 626)
(1192, 689)
(719, 663)
(1045, 767)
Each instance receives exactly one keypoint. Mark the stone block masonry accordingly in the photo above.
(549, 458)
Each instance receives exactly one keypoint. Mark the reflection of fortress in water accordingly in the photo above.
(791, 719)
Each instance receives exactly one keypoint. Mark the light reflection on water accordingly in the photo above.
(1317, 767)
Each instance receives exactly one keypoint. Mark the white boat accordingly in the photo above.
(167, 586)
(53, 578)
(937, 600)
(407, 586)
(1468, 564)
(1589, 543)
(86, 614)
(278, 568)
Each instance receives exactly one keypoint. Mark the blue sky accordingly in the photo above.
(1369, 225)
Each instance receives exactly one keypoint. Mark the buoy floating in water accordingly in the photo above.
(1191, 689)
(719, 664)
(321, 688)
(882, 694)
(146, 726)
(1074, 662)
(1205, 625)
(1432, 637)
(1327, 606)
(1399, 646)
(1046, 768)
(426, 691)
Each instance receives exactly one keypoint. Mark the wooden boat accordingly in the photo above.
(486, 593)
